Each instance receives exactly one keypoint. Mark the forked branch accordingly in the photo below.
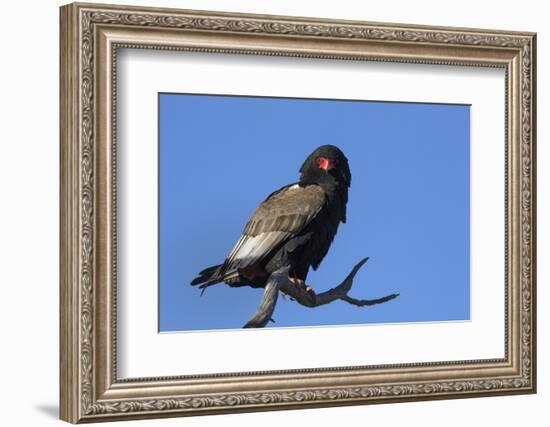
(279, 281)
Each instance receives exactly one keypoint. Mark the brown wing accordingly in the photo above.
(280, 217)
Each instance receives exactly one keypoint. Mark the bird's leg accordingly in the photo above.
(294, 280)
(303, 285)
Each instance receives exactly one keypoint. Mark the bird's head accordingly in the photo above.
(326, 163)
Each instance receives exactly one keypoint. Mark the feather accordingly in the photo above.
(281, 216)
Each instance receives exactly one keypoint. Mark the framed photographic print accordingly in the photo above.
(266, 212)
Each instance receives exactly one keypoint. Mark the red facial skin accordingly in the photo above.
(323, 163)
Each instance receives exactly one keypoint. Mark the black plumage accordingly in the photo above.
(293, 227)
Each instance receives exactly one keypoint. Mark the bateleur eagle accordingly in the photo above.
(294, 227)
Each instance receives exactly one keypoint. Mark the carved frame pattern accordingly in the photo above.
(80, 401)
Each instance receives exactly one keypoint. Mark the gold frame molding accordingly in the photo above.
(90, 36)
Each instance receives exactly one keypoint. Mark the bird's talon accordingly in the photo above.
(296, 281)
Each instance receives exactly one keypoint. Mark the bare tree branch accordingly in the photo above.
(279, 281)
(271, 292)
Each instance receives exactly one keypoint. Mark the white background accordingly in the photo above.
(29, 173)
(143, 352)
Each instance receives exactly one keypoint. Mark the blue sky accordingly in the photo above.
(408, 209)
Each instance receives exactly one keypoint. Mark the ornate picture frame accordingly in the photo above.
(91, 34)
